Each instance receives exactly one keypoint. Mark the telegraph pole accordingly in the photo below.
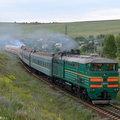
(66, 29)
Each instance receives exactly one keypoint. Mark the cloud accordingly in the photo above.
(105, 14)
(58, 10)
(51, 1)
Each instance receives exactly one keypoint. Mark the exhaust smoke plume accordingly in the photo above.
(40, 40)
(9, 35)
(43, 40)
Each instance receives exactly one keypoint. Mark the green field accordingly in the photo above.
(74, 29)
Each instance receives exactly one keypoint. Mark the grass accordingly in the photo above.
(85, 29)
(3, 62)
(23, 97)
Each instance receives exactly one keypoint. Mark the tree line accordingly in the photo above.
(105, 45)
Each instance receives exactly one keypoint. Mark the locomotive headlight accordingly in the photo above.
(116, 89)
(92, 89)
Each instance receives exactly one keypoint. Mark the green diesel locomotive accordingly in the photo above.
(93, 78)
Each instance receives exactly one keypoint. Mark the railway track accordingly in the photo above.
(112, 113)
(114, 110)
(115, 107)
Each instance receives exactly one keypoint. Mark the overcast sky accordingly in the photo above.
(58, 10)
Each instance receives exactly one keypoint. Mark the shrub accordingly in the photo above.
(12, 77)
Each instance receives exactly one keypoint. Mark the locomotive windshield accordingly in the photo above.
(97, 67)
(104, 67)
(111, 67)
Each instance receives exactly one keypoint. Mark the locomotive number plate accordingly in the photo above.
(104, 83)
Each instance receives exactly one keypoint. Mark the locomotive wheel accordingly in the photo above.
(75, 90)
(85, 95)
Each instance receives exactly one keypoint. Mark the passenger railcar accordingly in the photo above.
(42, 62)
(39, 61)
(13, 49)
(25, 55)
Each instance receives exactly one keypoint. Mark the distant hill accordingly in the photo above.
(73, 29)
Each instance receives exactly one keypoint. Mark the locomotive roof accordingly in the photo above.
(84, 59)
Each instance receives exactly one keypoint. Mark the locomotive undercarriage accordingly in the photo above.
(77, 90)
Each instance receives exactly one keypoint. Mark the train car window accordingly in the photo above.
(87, 66)
(26, 57)
(35, 61)
(40, 62)
(71, 64)
(97, 67)
(111, 67)
(48, 65)
(66, 62)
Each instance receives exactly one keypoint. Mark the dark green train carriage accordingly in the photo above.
(42, 62)
(37, 61)
(25, 55)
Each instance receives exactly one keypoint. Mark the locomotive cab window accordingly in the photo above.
(97, 67)
(87, 66)
(111, 67)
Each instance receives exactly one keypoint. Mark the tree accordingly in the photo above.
(109, 49)
(80, 38)
(91, 37)
(118, 45)
(101, 36)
